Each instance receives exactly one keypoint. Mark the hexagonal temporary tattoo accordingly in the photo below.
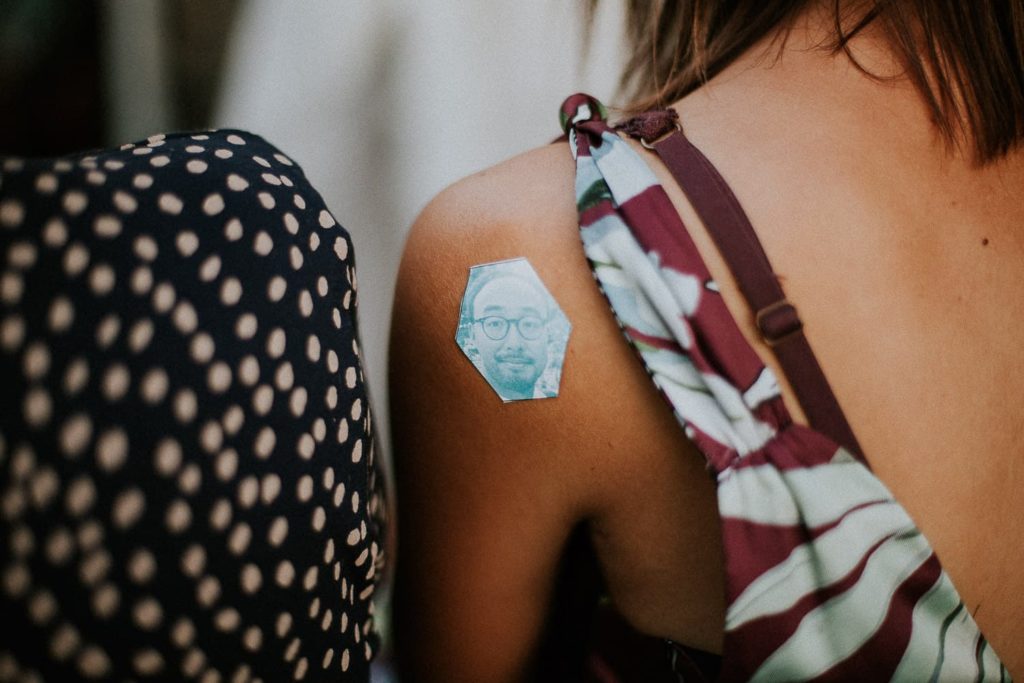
(512, 330)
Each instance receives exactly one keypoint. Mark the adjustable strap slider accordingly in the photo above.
(778, 322)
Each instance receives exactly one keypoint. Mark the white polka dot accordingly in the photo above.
(147, 614)
(210, 268)
(148, 662)
(227, 464)
(263, 399)
(187, 243)
(307, 445)
(95, 177)
(12, 332)
(235, 139)
(160, 161)
(75, 259)
(142, 566)
(263, 245)
(74, 203)
(11, 288)
(64, 642)
(341, 248)
(46, 183)
(357, 409)
(300, 669)
(93, 662)
(80, 497)
(142, 151)
(230, 291)
(140, 335)
(276, 288)
(142, 181)
(297, 402)
(193, 561)
(265, 442)
(237, 183)
(141, 280)
(321, 285)
(43, 487)
(195, 149)
(326, 219)
(339, 494)
(284, 377)
(299, 201)
(286, 181)
(42, 608)
(112, 449)
(213, 204)
(253, 638)
(233, 229)
(211, 436)
(319, 518)
(249, 371)
(233, 420)
(163, 297)
(223, 153)
(245, 326)
(202, 348)
(283, 159)
(178, 517)
(270, 488)
(36, 361)
(266, 200)
(124, 202)
(305, 303)
(115, 381)
(55, 233)
(220, 515)
(154, 386)
(295, 258)
(167, 457)
(208, 591)
(190, 479)
(128, 508)
(61, 314)
(183, 632)
(227, 619)
(336, 318)
(218, 378)
(38, 407)
(344, 659)
(350, 377)
(240, 536)
(248, 492)
(185, 405)
(313, 348)
(22, 255)
(285, 574)
(270, 179)
(170, 203)
(106, 600)
(75, 435)
(185, 318)
(107, 330)
(196, 166)
(278, 531)
(304, 489)
(145, 248)
(343, 431)
(102, 279)
(291, 224)
(276, 343)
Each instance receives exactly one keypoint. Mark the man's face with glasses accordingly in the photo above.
(510, 331)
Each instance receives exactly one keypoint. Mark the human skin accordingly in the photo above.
(904, 258)
(512, 365)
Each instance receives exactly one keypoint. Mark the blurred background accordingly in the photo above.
(382, 102)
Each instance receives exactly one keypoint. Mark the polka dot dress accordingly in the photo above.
(187, 479)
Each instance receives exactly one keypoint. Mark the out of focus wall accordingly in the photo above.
(385, 103)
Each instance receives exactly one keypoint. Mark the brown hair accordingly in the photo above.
(966, 57)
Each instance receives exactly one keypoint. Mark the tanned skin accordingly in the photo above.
(905, 260)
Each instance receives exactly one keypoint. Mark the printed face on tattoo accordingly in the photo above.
(512, 330)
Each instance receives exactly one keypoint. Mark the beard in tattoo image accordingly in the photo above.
(510, 319)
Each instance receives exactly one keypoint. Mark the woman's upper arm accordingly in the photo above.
(487, 491)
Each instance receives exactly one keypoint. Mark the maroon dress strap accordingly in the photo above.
(775, 317)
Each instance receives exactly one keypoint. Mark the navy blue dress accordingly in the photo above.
(188, 488)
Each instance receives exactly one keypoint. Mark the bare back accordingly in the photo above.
(904, 260)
